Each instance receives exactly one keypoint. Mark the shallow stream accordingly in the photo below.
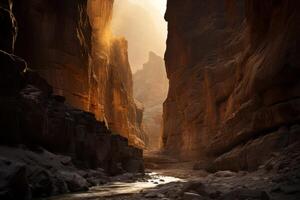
(119, 188)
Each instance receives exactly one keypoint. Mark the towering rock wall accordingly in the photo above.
(234, 91)
(37, 123)
(71, 46)
(54, 37)
(121, 87)
(35, 116)
(113, 87)
(150, 88)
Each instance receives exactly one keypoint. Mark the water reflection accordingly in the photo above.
(119, 188)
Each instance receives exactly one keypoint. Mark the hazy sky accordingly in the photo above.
(160, 5)
(142, 23)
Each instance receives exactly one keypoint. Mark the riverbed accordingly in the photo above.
(117, 188)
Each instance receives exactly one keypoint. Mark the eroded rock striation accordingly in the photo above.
(49, 143)
(234, 89)
(150, 88)
(70, 45)
(112, 77)
(33, 118)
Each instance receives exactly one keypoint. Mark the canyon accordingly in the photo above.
(234, 89)
(222, 107)
(88, 66)
(150, 89)
(67, 109)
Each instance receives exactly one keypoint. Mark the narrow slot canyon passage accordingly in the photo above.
(149, 100)
(146, 34)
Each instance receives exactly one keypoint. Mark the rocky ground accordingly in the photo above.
(29, 171)
(277, 179)
(37, 173)
(43, 173)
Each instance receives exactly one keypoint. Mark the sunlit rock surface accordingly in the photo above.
(233, 68)
(70, 44)
(146, 29)
(150, 88)
(126, 116)
(55, 38)
(58, 47)
(35, 119)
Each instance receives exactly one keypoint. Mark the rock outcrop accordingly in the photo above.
(234, 91)
(70, 45)
(121, 92)
(150, 88)
(33, 117)
(44, 140)
(145, 31)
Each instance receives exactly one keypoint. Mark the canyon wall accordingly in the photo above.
(150, 88)
(33, 112)
(70, 45)
(113, 76)
(234, 89)
(49, 147)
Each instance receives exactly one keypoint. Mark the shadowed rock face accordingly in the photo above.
(32, 115)
(150, 88)
(34, 119)
(232, 80)
(9, 27)
(54, 37)
(69, 43)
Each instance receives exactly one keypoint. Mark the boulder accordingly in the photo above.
(74, 181)
(41, 182)
(192, 196)
(201, 189)
(13, 181)
(196, 186)
(226, 173)
(95, 177)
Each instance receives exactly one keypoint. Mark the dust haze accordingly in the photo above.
(142, 23)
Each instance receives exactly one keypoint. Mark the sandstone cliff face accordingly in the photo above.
(54, 39)
(150, 88)
(70, 45)
(31, 112)
(34, 119)
(234, 91)
(112, 92)
(122, 101)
